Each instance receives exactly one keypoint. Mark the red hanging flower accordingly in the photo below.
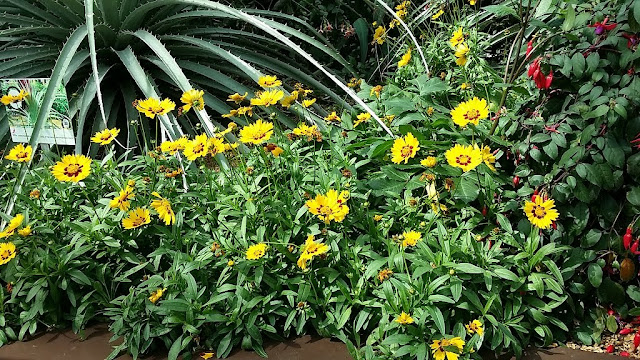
(601, 27)
(632, 40)
(535, 72)
(530, 48)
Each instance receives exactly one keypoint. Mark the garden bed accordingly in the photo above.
(68, 346)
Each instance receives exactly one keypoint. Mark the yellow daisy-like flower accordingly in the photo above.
(305, 130)
(269, 81)
(136, 218)
(404, 319)
(7, 252)
(256, 133)
(487, 157)
(380, 35)
(267, 98)
(308, 102)
(170, 147)
(14, 223)
(310, 249)
(197, 147)
(34, 194)
(442, 349)
(25, 231)
(405, 59)
(122, 201)
(156, 295)
(464, 157)
(472, 2)
(376, 90)
(430, 110)
(457, 38)
(256, 251)
(437, 15)
(362, 117)
(10, 99)
(461, 54)
(471, 111)
(209, 355)
(329, 207)
(475, 327)
(72, 168)
(429, 162)
(354, 82)
(105, 136)
(377, 217)
(332, 118)
(384, 274)
(541, 213)
(192, 99)
(237, 98)
(216, 146)
(404, 148)
(163, 207)
(411, 238)
(287, 101)
(152, 107)
(20, 153)
(465, 86)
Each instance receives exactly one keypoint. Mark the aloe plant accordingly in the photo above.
(118, 50)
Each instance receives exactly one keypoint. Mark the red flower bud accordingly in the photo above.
(529, 48)
(629, 230)
(610, 349)
(626, 240)
(636, 340)
(484, 211)
(611, 312)
(554, 225)
(624, 353)
(516, 181)
(634, 247)
(626, 331)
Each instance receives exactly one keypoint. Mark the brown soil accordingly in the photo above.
(68, 346)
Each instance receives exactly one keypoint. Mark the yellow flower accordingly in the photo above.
(72, 168)
(404, 149)
(122, 200)
(442, 348)
(237, 98)
(329, 207)
(230, 263)
(541, 213)
(362, 117)
(404, 319)
(429, 162)
(105, 136)
(267, 98)
(457, 38)
(170, 147)
(465, 86)
(384, 274)
(305, 130)
(380, 35)
(269, 81)
(256, 251)
(475, 327)
(461, 54)
(197, 147)
(487, 157)
(354, 82)
(152, 107)
(216, 146)
(10, 99)
(20, 153)
(7, 252)
(471, 111)
(376, 90)
(333, 117)
(310, 249)
(405, 59)
(34, 194)
(182, 142)
(192, 98)
(15, 222)
(472, 2)
(277, 151)
(25, 231)
(136, 218)
(209, 355)
(287, 101)
(430, 110)
(464, 157)
(256, 133)
(411, 238)
(377, 217)
(156, 295)
(308, 102)
(163, 207)
(437, 15)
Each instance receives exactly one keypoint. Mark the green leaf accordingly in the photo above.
(362, 30)
(501, 10)
(570, 19)
(468, 189)
(592, 238)
(612, 324)
(594, 272)
(578, 64)
(633, 292)
(634, 196)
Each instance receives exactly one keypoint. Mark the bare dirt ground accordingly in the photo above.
(68, 346)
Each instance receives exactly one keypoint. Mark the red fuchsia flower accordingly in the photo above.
(535, 72)
(601, 27)
(632, 40)
(626, 331)
(530, 47)
(636, 142)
